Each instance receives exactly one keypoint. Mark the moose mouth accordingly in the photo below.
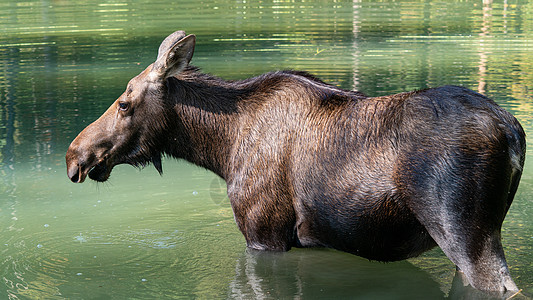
(100, 172)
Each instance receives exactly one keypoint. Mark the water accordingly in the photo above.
(144, 236)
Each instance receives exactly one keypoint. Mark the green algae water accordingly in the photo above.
(142, 236)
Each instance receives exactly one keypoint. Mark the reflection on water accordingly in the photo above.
(308, 274)
(145, 236)
(319, 274)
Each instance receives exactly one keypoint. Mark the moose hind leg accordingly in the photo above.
(464, 216)
(470, 236)
(473, 247)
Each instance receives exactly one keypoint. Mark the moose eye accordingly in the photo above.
(123, 106)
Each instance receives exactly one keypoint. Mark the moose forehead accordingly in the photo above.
(142, 81)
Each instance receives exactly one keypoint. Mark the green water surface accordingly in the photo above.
(142, 236)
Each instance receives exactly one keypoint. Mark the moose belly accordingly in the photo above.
(381, 237)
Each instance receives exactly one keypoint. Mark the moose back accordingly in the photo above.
(308, 164)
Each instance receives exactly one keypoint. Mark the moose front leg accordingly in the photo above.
(267, 220)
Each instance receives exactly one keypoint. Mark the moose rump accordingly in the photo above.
(308, 164)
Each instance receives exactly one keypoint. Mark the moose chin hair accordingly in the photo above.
(142, 162)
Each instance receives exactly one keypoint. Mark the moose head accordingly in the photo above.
(132, 129)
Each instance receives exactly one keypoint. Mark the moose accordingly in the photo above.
(308, 164)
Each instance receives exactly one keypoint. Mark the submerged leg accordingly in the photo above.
(266, 222)
(461, 289)
(485, 270)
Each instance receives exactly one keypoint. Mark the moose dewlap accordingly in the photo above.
(308, 164)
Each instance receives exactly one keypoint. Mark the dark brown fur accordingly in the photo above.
(308, 164)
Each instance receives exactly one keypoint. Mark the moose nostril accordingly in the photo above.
(75, 164)
(73, 173)
(76, 177)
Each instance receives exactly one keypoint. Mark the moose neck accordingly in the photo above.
(206, 123)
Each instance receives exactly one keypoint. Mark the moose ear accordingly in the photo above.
(174, 55)
(170, 41)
